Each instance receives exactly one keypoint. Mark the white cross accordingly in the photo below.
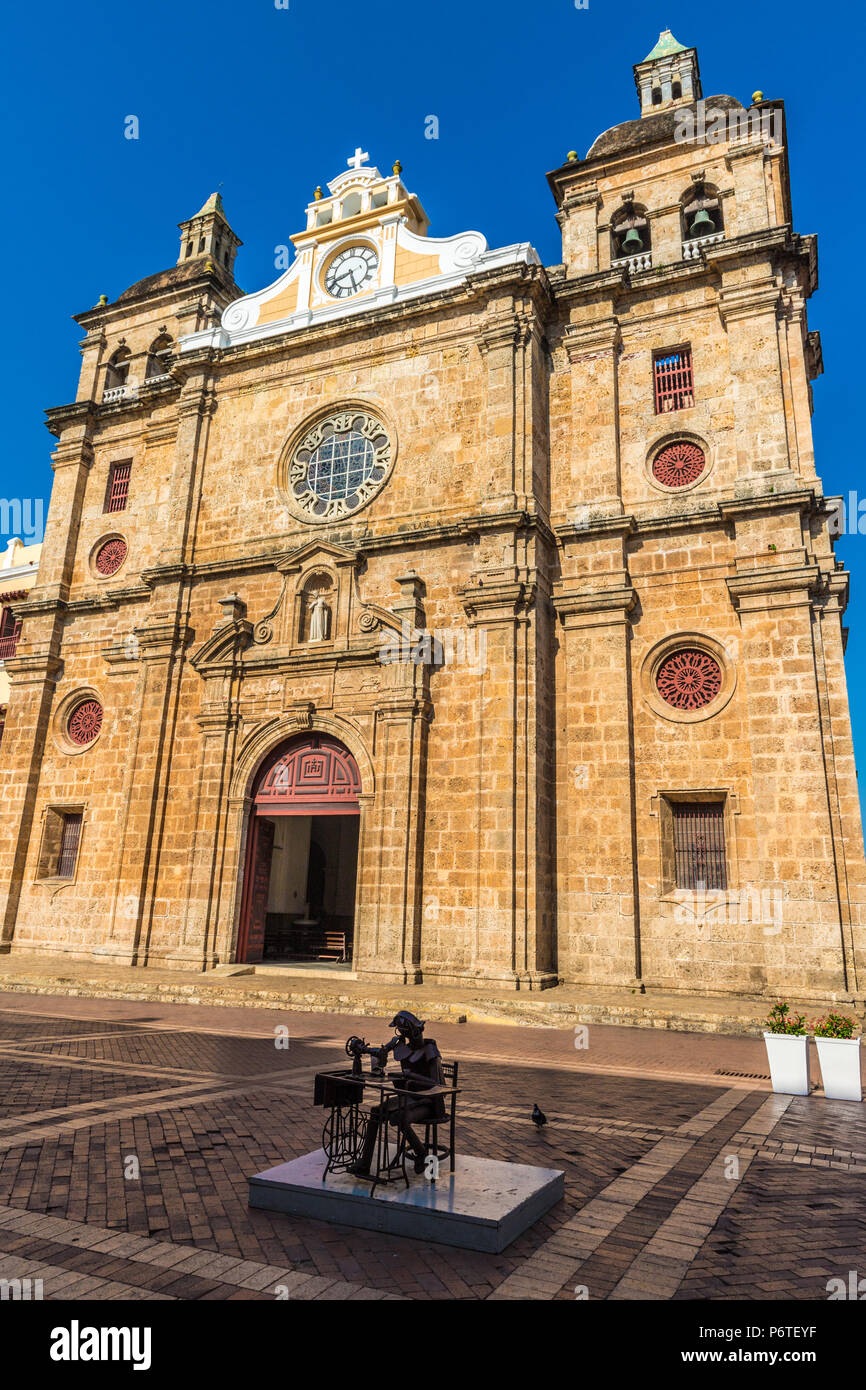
(360, 157)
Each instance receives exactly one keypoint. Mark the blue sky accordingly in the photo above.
(265, 103)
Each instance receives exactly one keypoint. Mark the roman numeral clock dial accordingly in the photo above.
(350, 271)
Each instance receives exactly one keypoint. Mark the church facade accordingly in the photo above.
(449, 616)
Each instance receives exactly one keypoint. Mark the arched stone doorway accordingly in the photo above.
(298, 900)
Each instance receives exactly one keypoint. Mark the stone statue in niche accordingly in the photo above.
(320, 620)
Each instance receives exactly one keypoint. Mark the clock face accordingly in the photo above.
(350, 270)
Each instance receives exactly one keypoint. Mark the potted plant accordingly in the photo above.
(787, 1051)
(839, 1055)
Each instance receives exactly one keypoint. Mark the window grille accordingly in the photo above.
(699, 845)
(118, 487)
(673, 380)
(69, 841)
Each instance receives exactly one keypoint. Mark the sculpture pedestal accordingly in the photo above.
(482, 1205)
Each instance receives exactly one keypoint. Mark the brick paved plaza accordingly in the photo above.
(644, 1123)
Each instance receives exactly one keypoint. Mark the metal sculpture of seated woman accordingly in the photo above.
(421, 1064)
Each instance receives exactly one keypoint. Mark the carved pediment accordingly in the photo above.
(228, 641)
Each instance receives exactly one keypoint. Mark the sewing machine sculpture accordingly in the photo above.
(479, 1203)
(362, 1145)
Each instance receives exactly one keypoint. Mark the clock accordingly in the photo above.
(350, 271)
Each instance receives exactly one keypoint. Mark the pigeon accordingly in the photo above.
(538, 1116)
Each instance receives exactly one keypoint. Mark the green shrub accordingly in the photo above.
(834, 1026)
(779, 1020)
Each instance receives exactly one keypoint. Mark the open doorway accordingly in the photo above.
(310, 911)
(298, 901)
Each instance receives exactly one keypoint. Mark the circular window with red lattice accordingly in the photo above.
(689, 678)
(679, 464)
(85, 722)
(110, 556)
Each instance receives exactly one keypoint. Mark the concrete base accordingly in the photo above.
(483, 1205)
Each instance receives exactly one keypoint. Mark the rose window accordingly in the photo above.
(111, 556)
(677, 465)
(689, 679)
(339, 465)
(85, 722)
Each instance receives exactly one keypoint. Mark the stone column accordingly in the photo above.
(38, 666)
(578, 220)
(794, 852)
(148, 844)
(593, 351)
(513, 926)
(34, 679)
(746, 163)
(598, 920)
(748, 312)
(194, 410)
(219, 664)
(388, 915)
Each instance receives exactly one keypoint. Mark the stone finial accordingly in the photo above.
(234, 608)
(410, 606)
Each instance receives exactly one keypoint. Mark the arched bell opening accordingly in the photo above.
(630, 235)
(300, 877)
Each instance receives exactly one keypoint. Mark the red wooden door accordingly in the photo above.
(256, 884)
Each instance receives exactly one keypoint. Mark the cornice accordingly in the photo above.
(39, 664)
(772, 579)
(112, 598)
(618, 600)
(733, 508)
(503, 601)
(621, 525)
(59, 417)
(591, 339)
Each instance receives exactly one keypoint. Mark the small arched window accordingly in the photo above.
(701, 212)
(158, 357)
(118, 368)
(351, 206)
(630, 236)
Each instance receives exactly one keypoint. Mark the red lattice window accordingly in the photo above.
(699, 845)
(673, 380)
(111, 556)
(70, 838)
(689, 678)
(117, 494)
(677, 465)
(85, 722)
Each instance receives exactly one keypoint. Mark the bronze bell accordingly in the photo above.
(632, 242)
(703, 224)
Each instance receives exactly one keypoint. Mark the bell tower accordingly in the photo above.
(667, 76)
(209, 236)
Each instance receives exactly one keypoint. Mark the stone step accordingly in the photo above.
(239, 986)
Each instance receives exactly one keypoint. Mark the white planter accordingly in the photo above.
(788, 1056)
(840, 1067)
